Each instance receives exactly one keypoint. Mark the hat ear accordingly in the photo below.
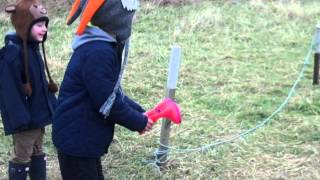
(85, 8)
(89, 11)
(75, 12)
(10, 8)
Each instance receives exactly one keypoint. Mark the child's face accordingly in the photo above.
(38, 31)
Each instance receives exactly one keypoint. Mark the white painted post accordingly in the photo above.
(171, 87)
(317, 41)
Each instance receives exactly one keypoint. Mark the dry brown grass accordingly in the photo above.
(55, 6)
(58, 5)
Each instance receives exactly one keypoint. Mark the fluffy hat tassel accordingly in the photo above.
(52, 86)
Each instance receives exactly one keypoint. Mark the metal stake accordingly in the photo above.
(171, 89)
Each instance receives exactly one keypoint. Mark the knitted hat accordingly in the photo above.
(23, 16)
(112, 16)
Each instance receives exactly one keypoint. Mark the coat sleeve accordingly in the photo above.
(133, 104)
(99, 78)
(13, 102)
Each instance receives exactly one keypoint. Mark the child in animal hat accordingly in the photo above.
(27, 99)
(90, 100)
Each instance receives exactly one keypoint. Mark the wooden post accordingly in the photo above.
(316, 69)
(170, 92)
(316, 57)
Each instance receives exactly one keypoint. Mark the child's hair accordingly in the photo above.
(23, 16)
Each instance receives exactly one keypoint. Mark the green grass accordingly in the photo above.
(238, 64)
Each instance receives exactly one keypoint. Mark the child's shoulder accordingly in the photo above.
(11, 49)
(12, 40)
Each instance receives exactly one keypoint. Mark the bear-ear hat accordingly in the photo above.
(24, 15)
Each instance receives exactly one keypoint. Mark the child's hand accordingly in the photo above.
(148, 127)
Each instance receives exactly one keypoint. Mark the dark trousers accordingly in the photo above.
(80, 168)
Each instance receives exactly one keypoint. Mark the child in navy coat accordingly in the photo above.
(91, 101)
(27, 99)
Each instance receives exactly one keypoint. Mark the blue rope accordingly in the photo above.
(158, 153)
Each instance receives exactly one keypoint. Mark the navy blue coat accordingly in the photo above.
(78, 127)
(19, 112)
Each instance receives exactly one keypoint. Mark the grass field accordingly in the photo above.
(239, 62)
